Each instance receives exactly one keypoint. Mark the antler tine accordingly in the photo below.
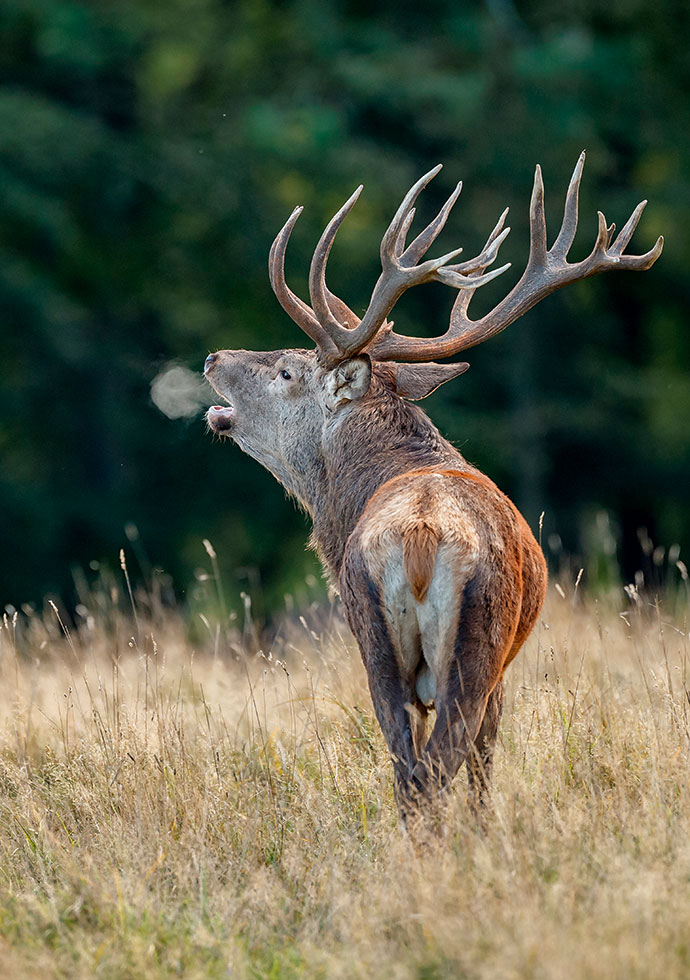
(483, 260)
(467, 277)
(497, 230)
(602, 239)
(425, 239)
(399, 273)
(537, 222)
(566, 236)
(318, 290)
(390, 238)
(641, 263)
(404, 229)
(547, 270)
(486, 257)
(628, 229)
(335, 319)
(295, 308)
(457, 281)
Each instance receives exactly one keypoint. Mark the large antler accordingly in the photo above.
(335, 329)
(339, 333)
(547, 270)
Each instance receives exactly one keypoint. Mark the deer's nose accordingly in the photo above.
(210, 361)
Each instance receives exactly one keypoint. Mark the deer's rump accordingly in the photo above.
(457, 572)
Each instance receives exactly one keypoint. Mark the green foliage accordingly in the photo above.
(150, 152)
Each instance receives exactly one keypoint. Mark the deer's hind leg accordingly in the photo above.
(469, 685)
(400, 713)
(479, 760)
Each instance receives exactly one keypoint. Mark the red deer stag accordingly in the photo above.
(440, 576)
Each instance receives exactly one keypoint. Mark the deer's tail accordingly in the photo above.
(420, 544)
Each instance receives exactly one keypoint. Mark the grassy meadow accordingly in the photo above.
(177, 802)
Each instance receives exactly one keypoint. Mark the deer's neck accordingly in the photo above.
(376, 441)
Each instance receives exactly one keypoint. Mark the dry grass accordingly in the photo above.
(166, 812)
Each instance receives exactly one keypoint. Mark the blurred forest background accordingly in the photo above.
(149, 152)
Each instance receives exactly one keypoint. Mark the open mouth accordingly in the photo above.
(219, 419)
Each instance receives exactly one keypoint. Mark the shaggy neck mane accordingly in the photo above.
(381, 437)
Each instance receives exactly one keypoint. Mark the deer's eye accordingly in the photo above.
(285, 375)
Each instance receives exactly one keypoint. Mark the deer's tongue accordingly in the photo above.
(220, 418)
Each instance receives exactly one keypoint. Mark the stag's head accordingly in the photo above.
(281, 403)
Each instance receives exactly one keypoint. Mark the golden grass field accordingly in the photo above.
(175, 806)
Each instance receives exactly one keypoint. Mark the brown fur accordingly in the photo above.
(501, 579)
(440, 576)
(420, 544)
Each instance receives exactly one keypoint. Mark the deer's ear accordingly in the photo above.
(416, 381)
(348, 381)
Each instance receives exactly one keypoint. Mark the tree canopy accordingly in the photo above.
(149, 154)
